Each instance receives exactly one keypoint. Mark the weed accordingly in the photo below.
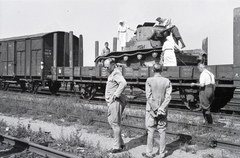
(185, 147)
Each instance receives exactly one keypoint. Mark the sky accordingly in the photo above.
(97, 20)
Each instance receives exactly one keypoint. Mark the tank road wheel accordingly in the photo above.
(189, 97)
(87, 91)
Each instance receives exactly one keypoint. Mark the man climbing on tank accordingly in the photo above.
(172, 28)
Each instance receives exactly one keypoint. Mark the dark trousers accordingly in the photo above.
(206, 97)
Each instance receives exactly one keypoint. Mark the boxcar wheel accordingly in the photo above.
(87, 91)
(189, 97)
(54, 88)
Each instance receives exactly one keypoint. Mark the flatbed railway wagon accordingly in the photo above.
(90, 80)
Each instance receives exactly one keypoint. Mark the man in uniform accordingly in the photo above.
(116, 102)
(207, 89)
(105, 50)
(158, 94)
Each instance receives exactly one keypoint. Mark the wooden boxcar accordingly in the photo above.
(28, 60)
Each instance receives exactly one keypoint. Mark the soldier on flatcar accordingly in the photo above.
(106, 50)
(122, 33)
(168, 57)
(206, 94)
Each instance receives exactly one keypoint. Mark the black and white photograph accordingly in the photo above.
(119, 79)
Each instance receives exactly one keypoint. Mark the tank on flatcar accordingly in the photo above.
(145, 48)
(28, 60)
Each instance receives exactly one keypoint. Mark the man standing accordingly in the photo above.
(122, 33)
(105, 50)
(158, 94)
(206, 94)
(168, 57)
(116, 102)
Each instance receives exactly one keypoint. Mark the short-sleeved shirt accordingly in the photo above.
(206, 78)
(123, 28)
(105, 51)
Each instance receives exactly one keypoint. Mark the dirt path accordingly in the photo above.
(135, 145)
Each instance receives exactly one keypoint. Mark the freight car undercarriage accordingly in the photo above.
(181, 77)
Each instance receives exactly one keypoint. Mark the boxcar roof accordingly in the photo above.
(29, 36)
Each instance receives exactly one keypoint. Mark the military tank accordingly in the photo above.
(145, 48)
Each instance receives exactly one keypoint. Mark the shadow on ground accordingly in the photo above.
(183, 139)
(142, 140)
(171, 147)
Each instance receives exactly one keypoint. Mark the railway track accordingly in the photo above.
(19, 146)
(99, 105)
(174, 106)
(233, 106)
(188, 138)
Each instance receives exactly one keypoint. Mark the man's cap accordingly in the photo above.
(159, 19)
(157, 67)
(120, 21)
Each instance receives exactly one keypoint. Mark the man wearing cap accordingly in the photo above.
(159, 22)
(122, 33)
(116, 102)
(158, 94)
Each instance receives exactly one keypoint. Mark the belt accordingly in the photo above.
(210, 85)
(122, 31)
(168, 49)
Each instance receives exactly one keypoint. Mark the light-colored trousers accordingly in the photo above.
(115, 110)
(153, 124)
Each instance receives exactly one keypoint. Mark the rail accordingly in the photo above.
(35, 148)
(197, 140)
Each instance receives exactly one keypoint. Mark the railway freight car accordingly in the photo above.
(89, 80)
(27, 60)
